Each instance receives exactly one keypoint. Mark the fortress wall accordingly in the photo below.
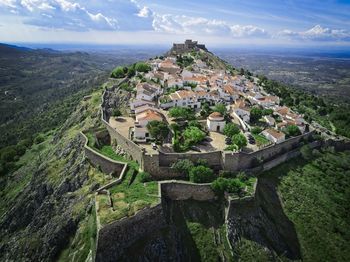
(214, 159)
(115, 237)
(129, 146)
(151, 165)
(184, 190)
(107, 165)
(243, 161)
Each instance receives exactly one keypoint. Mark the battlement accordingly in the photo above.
(188, 45)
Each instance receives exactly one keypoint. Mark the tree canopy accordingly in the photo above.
(181, 112)
(231, 129)
(193, 135)
(255, 114)
(158, 130)
(142, 67)
(201, 174)
(240, 140)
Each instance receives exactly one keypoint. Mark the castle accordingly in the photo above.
(187, 46)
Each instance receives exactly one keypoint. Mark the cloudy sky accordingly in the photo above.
(227, 22)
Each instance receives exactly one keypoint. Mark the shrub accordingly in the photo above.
(231, 129)
(201, 174)
(142, 67)
(229, 185)
(292, 130)
(8, 154)
(221, 108)
(255, 114)
(183, 166)
(193, 135)
(232, 148)
(158, 130)
(145, 177)
(118, 72)
(39, 139)
(256, 130)
(240, 140)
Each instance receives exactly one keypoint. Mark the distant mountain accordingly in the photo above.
(8, 49)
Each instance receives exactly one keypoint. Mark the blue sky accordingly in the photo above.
(217, 23)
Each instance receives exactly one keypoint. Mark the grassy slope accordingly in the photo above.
(316, 198)
(315, 195)
(43, 156)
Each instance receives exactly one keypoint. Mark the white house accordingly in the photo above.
(274, 135)
(216, 122)
(269, 120)
(141, 133)
(242, 111)
(147, 92)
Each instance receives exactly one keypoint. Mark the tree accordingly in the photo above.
(231, 129)
(181, 112)
(158, 130)
(221, 108)
(201, 174)
(293, 130)
(255, 114)
(131, 71)
(142, 67)
(118, 72)
(267, 112)
(256, 130)
(193, 135)
(232, 148)
(195, 123)
(240, 140)
(183, 166)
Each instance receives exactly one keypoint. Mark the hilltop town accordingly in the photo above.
(183, 102)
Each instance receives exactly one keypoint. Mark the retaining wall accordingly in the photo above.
(107, 165)
(242, 161)
(176, 190)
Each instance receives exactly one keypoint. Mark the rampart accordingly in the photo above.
(177, 190)
(107, 165)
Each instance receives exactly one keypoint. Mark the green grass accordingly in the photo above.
(84, 241)
(128, 199)
(211, 243)
(315, 197)
(247, 251)
(260, 140)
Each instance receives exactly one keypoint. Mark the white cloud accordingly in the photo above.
(199, 25)
(316, 33)
(8, 3)
(144, 12)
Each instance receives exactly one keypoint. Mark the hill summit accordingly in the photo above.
(188, 45)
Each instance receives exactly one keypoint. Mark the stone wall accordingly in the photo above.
(107, 165)
(184, 191)
(115, 237)
(242, 161)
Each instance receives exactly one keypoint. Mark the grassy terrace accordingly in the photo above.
(127, 198)
(260, 140)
